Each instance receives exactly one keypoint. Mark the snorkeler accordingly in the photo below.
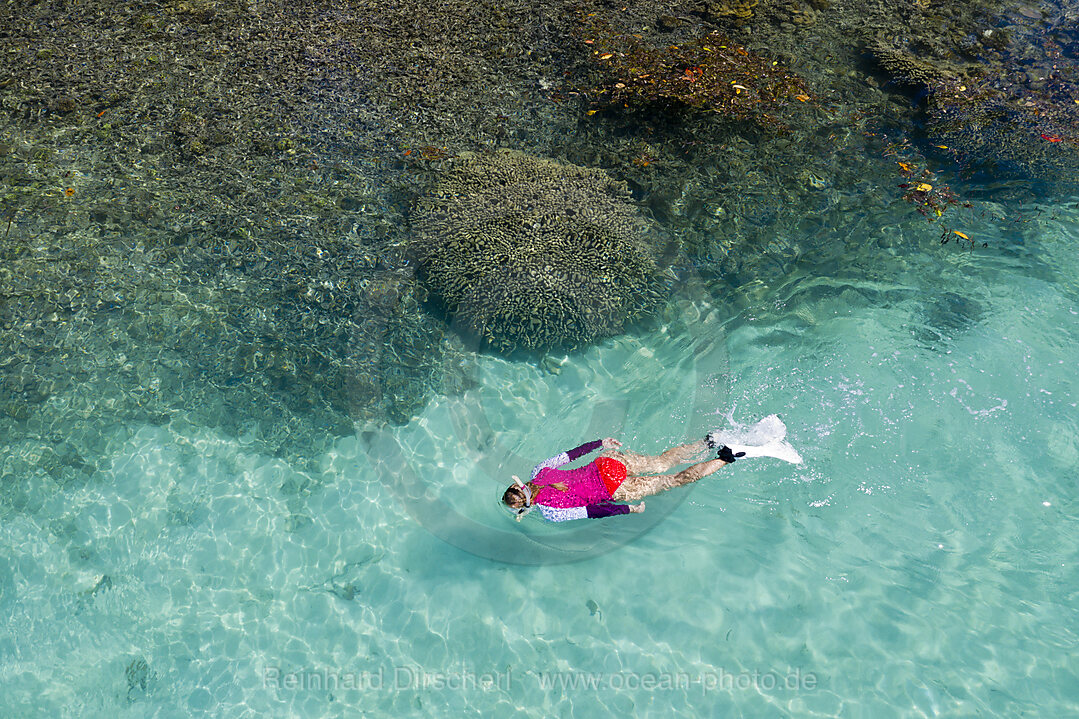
(593, 491)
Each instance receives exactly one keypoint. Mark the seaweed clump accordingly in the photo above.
(709, 73)
(527, 252)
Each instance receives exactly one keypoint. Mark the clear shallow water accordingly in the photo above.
(921, 562)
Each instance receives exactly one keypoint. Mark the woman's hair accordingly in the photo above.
(514, 497)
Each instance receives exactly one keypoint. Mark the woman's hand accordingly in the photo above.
(611, 443)
(636, 508)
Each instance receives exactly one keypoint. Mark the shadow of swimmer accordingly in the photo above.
(697, 382)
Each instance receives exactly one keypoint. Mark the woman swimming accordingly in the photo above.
(592, 491)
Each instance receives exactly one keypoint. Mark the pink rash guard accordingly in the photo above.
(587, 494)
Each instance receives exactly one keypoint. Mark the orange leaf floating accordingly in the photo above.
(1052, 138)
(69, 191)
(965, 237)
(606, 56)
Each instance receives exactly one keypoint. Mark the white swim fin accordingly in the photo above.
(779, 448)
(765, 438)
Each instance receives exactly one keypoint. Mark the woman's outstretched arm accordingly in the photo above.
(566, 457)
(591, 511)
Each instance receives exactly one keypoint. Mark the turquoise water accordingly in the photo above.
(920, 563)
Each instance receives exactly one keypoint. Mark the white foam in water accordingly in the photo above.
(765, 438)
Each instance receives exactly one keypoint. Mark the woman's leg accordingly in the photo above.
(635, 488)
(638, 464)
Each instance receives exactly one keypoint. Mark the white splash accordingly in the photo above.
(766, 438)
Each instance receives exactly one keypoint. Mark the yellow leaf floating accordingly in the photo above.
(592, 112)
(607, 56)
(965, 237)
(924, 187)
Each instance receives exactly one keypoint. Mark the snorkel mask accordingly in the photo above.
(519, 514)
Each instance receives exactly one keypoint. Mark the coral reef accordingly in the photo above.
(735, 12)
(1011, 127)
(1001, 92)
(710, 73)
(203, 202)
(909, 69)
(530, 253)
(209, 185)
